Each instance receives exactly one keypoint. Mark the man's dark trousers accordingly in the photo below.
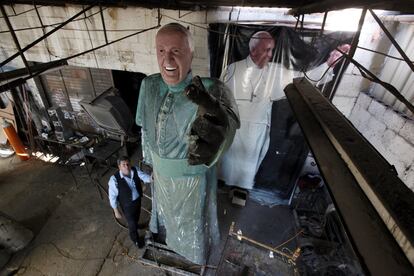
(132, 212)
(131, 209)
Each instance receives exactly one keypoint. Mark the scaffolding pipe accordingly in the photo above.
(44, 36)
(17, 73)
(103, 23)
(354, 45)
(369, 75)
(394, 42)
(14, 83)
(16, 41)
(323, 23)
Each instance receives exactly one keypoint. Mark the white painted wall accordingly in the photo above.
(136, 53)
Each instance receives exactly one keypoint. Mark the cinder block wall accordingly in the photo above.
(390, 132)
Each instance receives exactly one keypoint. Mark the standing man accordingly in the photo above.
(125, 192)
(255, 83)
(186, 123)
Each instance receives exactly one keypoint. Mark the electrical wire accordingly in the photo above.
(327, 38)
(325, 72)
(381, 53)
(44, 30)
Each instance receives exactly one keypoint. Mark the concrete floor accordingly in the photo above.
(75, 233)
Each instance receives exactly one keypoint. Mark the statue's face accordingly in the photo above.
(174, 56)
(263, 52)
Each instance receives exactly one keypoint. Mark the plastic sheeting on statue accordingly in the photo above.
(184, 196)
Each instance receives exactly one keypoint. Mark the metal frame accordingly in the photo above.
(394, 42)
(16, 82)
(323, 23)
(371, 76)
(103, 22)
(354, 45)
(8, 75)
(374, 204)
(42, 37)
(364, 71)
(16, 41)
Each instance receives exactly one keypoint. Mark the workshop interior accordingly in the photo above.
(326, 135)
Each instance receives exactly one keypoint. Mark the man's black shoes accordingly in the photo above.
(140, 243)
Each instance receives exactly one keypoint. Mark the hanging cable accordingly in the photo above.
(324, 73)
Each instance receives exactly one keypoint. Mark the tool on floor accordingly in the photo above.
(239, 236)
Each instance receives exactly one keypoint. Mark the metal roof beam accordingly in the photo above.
(44, 36)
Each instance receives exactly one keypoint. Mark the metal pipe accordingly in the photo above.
(43, 30)
(381, 53)
(12, 84)
(40, 18)
(364, 72)
(103, 23)
(323, 23)
(297, 22)
(16, 41)
(394, 42)
(354, 45)
(44, 36)
(33, 68)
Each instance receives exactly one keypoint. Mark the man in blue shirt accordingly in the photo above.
(125, 192)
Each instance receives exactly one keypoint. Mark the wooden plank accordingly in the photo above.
(375, 246)
(392, 199)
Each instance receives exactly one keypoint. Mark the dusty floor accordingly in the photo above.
(75, 233)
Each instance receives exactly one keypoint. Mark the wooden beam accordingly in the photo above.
(375, 206)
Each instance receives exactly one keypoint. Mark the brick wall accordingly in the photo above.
(389, 132)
